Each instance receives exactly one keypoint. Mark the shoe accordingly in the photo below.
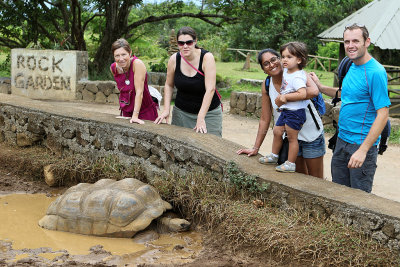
(286, 167)
(268, 159)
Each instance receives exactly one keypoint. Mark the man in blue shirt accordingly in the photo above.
(363, 114)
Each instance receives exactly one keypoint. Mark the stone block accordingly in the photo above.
(233, 99)
(107, 87)
(141, 151)
(251, 102)
(259, 101)
(92, 87)
(153, 78)
(5, 88)
(100, 98)
(88, 96)
(116, 90)
(108, 145)
(80, 86)
(2, 137)
(242, 101)
(78, 96)
(113, 98)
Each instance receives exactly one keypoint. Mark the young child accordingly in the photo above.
(293, 95)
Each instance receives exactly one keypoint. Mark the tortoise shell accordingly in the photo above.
(105, 208)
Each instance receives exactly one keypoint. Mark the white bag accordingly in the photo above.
(155, 93)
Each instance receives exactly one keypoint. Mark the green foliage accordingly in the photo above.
(147, 47)
(160, 66)
(244, 181)
(395, 135)
(329, 50)
(5, 65)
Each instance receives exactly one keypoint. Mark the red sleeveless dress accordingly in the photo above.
(148, 110)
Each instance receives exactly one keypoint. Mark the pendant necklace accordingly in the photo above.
(127, 82)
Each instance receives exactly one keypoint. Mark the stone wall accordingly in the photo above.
(159, 148)
(99, 91)
(249, 104)
(5, 85)
(107, 91)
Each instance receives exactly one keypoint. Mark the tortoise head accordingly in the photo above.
(175, 224)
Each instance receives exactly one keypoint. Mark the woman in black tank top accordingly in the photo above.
(193, 72)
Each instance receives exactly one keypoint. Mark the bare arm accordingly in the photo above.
(311, 90)
(358, 158)
(168, 90)
(210, 72)
(139, 70)
(292, 97)
(327, 90)
(263, 125)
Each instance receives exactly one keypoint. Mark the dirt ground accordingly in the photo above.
(237, 129)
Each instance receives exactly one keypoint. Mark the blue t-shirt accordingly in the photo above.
(364, 91)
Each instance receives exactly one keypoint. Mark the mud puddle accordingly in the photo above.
(21, 238)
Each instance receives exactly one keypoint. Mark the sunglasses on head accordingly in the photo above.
(188, 43)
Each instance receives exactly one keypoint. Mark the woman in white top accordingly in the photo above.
(311, 139)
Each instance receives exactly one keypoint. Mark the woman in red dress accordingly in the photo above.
(130, 75)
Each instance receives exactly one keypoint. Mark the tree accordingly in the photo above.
(63, 24)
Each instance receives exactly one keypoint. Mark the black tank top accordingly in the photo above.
(191, 90)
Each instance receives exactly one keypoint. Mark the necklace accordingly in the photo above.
(127, 82)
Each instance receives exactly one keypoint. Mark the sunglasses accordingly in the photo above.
(188, 43)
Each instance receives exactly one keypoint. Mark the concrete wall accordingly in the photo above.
(47, 74)
(71, 128)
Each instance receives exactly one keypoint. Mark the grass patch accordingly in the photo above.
(230, 214)
(394, 137)
(69, 170)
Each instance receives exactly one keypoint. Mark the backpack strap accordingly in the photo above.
(267, 81)
(343, 68)
(313, 116)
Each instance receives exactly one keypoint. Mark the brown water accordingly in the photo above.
(20, 213)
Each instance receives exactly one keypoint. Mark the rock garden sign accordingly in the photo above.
(47, 74)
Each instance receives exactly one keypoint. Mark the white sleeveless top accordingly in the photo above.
(309, 132)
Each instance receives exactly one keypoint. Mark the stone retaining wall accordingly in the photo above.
(5, 85)
(107, 91)
(249, 104)
(160, 148)
(99, 91)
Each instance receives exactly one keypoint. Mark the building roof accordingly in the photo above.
(382, 19)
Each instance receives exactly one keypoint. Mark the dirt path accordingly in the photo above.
(243, 131)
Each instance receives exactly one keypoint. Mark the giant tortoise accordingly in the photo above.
(109, 208)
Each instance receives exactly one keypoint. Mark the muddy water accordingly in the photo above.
(20, 213)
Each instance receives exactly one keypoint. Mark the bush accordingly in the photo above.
(5, 65)
(158, 67)
(331, 50)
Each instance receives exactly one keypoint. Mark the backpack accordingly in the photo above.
(343, 68)
(317, 101)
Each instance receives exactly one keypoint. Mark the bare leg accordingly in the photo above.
(277, 141)
(293, 143)
(315, 167)
(301, 166)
